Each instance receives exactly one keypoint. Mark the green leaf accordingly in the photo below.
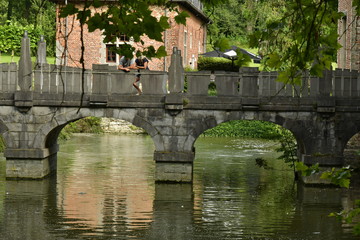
(161, 52)
(344, 183)
(356, 4)
(317, 70)
(274, 60)
(242, 60)
(68, 10)
(181, 17)
(283, 77)
(164, 22)
(95, 22)
(97, 3)
(222, 44)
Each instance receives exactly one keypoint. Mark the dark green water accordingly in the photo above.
(104, 189)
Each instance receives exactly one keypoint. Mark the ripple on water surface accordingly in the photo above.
(105, 189)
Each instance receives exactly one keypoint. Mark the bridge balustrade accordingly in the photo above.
(8, 77)
(249, 82)
(106, 80)
(53, 79)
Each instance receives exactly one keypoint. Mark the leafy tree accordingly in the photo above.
(228, 20)
(11, 34)
(303, 37)
(38, 15)
(235, 19)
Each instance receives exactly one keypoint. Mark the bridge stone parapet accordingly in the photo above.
(176, 107)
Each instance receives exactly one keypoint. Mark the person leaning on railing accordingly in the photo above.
(140, 63)
(126, 64)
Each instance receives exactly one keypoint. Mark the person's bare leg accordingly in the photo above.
(136, 86)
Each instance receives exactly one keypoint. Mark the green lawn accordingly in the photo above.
(4, 58)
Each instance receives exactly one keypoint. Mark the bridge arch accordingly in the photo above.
(208, 122)
(5, 133)
(351, 138)
(48, 134)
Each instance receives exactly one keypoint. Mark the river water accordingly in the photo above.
(104, 189)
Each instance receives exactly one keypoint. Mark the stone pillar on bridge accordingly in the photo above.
(26, 155)
(173, 156)
(322, 138)
(30, 163)
(174, 166)
(31, 153)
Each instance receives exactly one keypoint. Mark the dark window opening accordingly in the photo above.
(110, 54)
(124, 38)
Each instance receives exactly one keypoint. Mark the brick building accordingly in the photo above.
(190, 39)
(349, 37)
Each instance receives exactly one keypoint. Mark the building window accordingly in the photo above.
(191, 39)
(110, 54)
(124, 38)
(185, 49)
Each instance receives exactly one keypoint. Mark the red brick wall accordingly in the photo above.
(95, 48)
(92, 43)
(348, 55)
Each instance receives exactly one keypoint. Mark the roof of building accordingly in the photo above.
(194, 6)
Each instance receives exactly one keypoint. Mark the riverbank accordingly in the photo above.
(112, 125)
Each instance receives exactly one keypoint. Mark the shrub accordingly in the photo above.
(84, 125)
(245, 128)
(216, 64)
(11, 35)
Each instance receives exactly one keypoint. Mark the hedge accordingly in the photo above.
(216, 64)
(11, 35)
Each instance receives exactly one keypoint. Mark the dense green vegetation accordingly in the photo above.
(84, 125)
(216, 64)
(236, 19)
(35, 16)
(245, 128)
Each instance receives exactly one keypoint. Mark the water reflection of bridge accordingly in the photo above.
(35, 104)
(35, 210)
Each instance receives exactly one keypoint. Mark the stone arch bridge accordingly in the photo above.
(36, 102)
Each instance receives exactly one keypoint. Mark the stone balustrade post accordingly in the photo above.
(249, 82)
(323, 85)
(41, 51)
(267, 84)
(25, 65)
(122, 82)
(354, 83)
(153, 82)
(23, 98)
(337, 82)
(101, 82)
(176, 72)
(227, 83)
(198, 82)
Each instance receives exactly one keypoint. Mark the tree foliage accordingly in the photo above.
(235, 19)
(303, 37)
(36, 16)
(11, 34)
